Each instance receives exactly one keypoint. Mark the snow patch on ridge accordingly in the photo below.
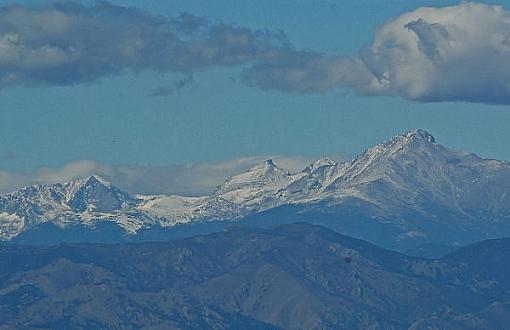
(10, 225)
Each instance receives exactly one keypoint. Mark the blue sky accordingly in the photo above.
(114, 119)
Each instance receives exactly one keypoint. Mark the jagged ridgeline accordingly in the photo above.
(404, 193)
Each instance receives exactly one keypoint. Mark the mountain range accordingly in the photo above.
(404, 193)
(295, 276)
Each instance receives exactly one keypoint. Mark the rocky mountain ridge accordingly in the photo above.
(410, 182)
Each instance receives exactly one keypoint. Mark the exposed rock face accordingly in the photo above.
(98, 196)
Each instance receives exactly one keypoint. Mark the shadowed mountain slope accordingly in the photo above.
(297, 276)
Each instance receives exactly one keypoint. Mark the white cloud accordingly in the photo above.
(457, 53)
(68, 43)
(191, 180)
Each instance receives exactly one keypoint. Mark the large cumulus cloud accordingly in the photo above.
(458, 53)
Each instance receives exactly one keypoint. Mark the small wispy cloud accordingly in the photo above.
(457, 53)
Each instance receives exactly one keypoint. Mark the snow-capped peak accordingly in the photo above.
(414, 139)
(88, 181)
(420, 134)
(372, 164)
(259, 182)
(72, 187)
(322, 162)
(265, 168)
(269, 163)
(96, 179)
(95, 194)
(260, 174)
